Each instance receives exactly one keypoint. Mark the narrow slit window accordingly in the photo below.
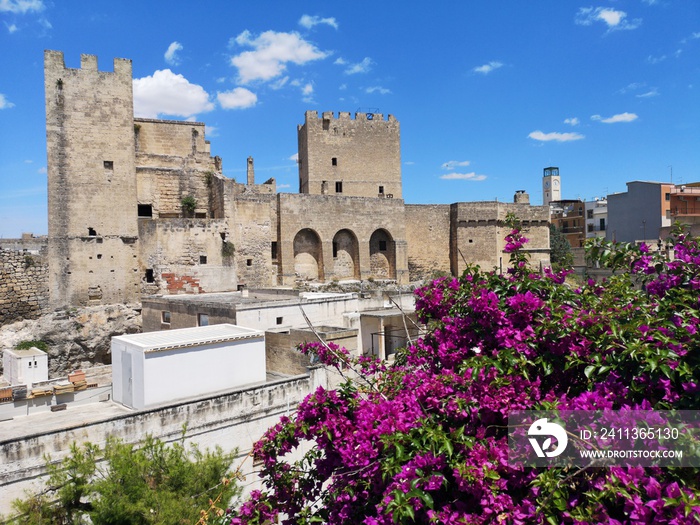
(149, 276)
(339, 187)
(334, 161)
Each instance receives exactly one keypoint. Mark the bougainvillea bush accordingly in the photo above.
(424, 440)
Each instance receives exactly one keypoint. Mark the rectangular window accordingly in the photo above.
(109, 164)
(202, 259)
(149, 276)
(335, 249)
(339, 187)
(279, 320)
(334, 161)
(249, 262)
(382, 246)
(165, 317)
(668, 196)
(145, 210)
(202, 320)
(273, 250)
(591, 227)
(602, 225)
(381, 190)
(589, 214)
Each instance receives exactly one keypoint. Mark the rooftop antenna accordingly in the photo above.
(671, 168)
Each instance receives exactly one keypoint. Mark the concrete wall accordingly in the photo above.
(281, 352)
(24, 286)
(234, 420)
(428, 238)
(367, 153)
(637, 213)
(92, 185)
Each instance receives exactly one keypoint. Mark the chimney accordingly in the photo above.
(521, 197)
(251, 171)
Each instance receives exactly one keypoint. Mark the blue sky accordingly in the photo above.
(487, 93)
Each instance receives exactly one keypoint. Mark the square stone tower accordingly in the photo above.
(93, 228)
(358, 157)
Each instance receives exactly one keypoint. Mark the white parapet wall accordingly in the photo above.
(232, 420)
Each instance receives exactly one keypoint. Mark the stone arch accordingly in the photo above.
(308, 255)
(382, 255)
(346, 255)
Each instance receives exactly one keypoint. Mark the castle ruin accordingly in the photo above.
(140, 207)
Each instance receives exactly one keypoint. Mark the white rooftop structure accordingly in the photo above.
(156, 368)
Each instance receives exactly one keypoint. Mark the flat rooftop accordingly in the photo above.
(80, 415)
(258, 297)
(186, 337)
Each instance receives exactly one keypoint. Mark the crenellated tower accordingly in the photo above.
(93, 228)
(358, 157)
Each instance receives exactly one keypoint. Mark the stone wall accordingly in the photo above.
(478, 231)
(91, 182)
(428, 237)
(185, 256)
(24, 286)
(323, 217)
(362, 154)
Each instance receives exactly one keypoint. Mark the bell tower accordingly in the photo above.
(551, 185)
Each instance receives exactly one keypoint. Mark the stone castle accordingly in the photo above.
(140, 207)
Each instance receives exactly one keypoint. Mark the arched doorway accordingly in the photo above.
(346, 256)
(308, 259)
(382, 255)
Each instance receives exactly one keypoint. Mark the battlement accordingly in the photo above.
(345, 115)
(54, 60)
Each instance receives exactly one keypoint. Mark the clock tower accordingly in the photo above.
(551, 186)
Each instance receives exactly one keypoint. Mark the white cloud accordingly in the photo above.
(42, 171)
(378, 89)
(237, 98)
(294, 158)
(343, 87)
(165, 93)
(310, 21)
(655, 60)
(307, 90)
(4, 103)
(487, 68)
(11, 28)
(280, 83)
(463, 176)
(171, 56)
(283, 186)
(612, 18)
(211, 131)
(557, 137)
(409, 163)
(271, 53)
(360, 67)
(21, 6)
(452, 164)
(651, 93)
(620, 117)
(340, 61)
(573, 121)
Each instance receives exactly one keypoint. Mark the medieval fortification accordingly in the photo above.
(140, 207)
